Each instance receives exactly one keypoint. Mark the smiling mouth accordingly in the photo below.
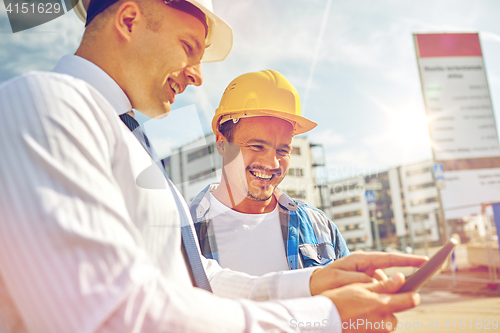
(261, 175)
(175, 87)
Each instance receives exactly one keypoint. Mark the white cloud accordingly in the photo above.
(489, 36)
(39, 48)
(327, 137)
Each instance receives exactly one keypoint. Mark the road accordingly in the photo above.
(447, 312)
(465, 307)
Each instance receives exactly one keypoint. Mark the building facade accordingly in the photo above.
(345, 203)
(404, 211)
(422, 201)
(300, 182)
(193, 166)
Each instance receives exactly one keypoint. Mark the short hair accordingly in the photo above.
(227, 129)
(147, 8)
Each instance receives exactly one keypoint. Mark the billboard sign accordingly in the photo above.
(461, 120)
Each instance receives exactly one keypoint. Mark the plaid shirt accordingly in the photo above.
(309, 236)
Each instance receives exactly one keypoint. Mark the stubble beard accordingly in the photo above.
(256, 196)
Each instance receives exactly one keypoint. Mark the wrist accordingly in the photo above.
(313, 282)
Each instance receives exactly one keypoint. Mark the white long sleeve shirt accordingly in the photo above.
(84, 249)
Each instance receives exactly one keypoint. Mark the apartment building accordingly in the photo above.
(422, 203)
(193, 166)
(300, 182)
(404, 210)
(345, 203)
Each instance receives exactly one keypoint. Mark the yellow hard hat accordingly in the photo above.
(264, 93)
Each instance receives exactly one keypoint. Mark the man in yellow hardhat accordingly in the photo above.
(246, 223)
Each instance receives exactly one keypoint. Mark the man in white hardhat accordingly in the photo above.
(150, 81)
(245, 222)
(84, 248)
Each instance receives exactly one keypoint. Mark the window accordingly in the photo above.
(297, 172)
(410, 173)
(295, 150)
(420, 217)
(356, 240)
(349, 227)
(168, 167)
(201, 176)
(422, 232)
(345, 201)
(342, 188)
(201, 152)
(299, 194)
(421, 186)
(419, 202)
(347, 214)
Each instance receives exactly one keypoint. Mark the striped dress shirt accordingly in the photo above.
(84, 249)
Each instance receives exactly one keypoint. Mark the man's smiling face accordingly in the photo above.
(165, 60)
(265, 145)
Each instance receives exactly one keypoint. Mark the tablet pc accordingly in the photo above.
(427, 270)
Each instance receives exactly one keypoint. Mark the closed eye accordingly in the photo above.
(283, 152)
(188, 48)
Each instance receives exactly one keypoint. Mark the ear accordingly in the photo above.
(126, 19)
(221, 143)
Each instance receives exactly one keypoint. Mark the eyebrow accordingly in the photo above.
(198, 45)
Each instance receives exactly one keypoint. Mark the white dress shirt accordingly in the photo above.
(84, 249)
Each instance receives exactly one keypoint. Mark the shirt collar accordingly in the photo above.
(87, 71)
(284, 200)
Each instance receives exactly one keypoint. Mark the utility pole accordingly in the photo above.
(438, 175)
(371, 196)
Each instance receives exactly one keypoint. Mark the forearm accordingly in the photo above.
(272, 286)
(161, 306)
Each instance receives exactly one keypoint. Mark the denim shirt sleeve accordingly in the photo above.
(320, 241)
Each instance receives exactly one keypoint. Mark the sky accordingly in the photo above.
(353, 63)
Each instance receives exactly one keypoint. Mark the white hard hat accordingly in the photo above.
(219, 40)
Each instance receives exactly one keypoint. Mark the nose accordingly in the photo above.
(194, 75)
(269, 160)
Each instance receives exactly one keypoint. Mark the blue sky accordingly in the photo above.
(353, 63)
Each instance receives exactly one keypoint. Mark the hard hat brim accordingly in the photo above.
(220, 39)
(300, 124)
(79, 9)
(221, 36)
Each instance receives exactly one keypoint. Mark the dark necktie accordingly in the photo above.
(188, 241)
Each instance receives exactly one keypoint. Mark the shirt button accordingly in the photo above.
(319, 257)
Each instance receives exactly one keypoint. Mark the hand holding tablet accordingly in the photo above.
(424, 273)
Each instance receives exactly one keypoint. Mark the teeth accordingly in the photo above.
(175, 87)
(261, 175)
